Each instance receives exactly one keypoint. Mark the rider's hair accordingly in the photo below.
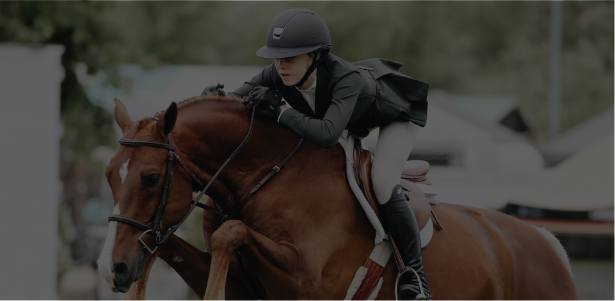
(311, 54)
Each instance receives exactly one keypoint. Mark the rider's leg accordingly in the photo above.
(395, 143)
(394, 146)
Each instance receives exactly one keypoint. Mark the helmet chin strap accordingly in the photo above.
(324, 51)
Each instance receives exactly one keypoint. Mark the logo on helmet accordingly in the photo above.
(277, 32)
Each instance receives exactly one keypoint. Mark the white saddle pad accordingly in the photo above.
(347, 142)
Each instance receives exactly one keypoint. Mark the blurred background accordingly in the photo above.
(520, 115)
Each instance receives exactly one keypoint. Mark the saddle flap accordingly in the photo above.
(417, 199)
(362, 172)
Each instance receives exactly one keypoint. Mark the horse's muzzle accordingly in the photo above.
(122, 279)
(125, 275)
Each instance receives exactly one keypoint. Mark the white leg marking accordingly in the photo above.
(105, 262)
(124, 171)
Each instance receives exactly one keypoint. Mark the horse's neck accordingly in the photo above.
(208, 134)
(306, 197)
(309, 192)
(307, 207)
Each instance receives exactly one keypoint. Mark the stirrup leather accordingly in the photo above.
(421, 295)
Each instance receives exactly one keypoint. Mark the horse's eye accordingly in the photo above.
(152, 180)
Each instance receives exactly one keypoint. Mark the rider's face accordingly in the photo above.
(292, 69)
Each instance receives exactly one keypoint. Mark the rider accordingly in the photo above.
(328, 95)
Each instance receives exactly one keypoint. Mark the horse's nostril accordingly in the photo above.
(121, 272)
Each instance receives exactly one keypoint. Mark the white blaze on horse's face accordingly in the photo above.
(105, 262)
(124, 171)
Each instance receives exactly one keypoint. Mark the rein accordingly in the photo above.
(153, 229)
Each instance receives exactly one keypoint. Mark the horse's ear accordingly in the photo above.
(166, 123)
(121, 116)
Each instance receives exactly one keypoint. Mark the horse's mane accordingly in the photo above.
(190, 102)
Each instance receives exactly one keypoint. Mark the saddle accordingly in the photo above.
(414, 171)
(367, 281)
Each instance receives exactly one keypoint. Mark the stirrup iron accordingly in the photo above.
(421, 295)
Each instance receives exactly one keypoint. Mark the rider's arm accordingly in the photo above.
(263, 79)
(326, 131)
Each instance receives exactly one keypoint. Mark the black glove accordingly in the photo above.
(214, 90)
(267, 99)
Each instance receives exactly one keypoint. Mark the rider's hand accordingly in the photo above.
(214, 90)
(267, 99)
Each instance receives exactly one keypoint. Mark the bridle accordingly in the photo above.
(156, 228)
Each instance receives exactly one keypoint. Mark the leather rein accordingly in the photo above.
(171, 156)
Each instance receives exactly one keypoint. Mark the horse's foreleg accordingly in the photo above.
(281, 262)
(192, 265)
(137, 289)
(188, 261)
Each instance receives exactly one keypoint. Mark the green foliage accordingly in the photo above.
(463, 47)
(488, 47)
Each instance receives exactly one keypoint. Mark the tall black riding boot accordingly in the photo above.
(401, 223)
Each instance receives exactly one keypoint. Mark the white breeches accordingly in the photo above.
(392, 151)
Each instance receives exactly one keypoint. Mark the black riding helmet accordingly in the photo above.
(295, 32)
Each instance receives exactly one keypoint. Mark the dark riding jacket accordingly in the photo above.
(354, 96)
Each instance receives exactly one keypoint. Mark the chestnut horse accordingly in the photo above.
(303, 235)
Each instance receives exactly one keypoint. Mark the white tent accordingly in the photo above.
(575, 139)
(583, 182)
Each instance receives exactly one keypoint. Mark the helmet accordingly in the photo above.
(294, 32)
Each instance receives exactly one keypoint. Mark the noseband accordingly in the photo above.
(156, 228)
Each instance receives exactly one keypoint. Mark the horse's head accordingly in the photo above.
(209, 130)
(136, 175)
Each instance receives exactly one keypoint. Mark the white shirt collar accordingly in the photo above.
(310, 90)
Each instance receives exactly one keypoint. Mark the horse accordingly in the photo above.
(303, 235)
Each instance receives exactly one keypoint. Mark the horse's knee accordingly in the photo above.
(230, 236)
